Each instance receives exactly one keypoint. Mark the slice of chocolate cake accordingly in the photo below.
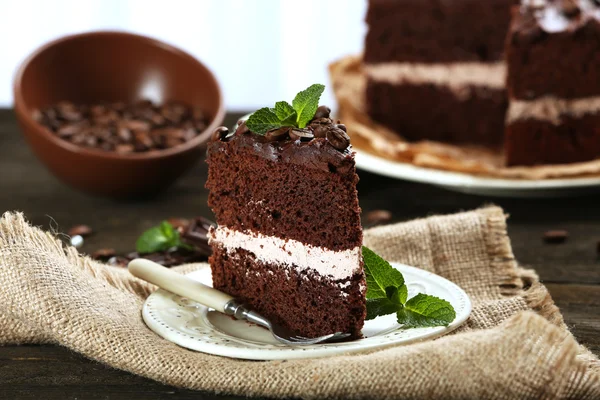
(435, 69)
(553, 55)
(288, 241)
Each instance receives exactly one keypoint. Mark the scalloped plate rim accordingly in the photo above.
(249, 350)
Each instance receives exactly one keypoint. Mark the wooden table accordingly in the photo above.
(571, 271)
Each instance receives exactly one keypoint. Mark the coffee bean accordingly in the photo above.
(378, 217)
(122, 127)
(242, 128)
(103, 254)
(322, 112)
(338, 138)
(301, 134)
(81, 230)
(124, 133)
(320, 126)
(342, 127)
(555, 236)
(68, 130)
(277, 134)
(137, 125)
(220, 133)
(179, 223)
(124, 148)
(142, 141)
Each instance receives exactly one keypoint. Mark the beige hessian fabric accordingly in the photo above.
(515, 344)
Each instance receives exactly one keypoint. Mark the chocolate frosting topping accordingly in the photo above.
(321, 145)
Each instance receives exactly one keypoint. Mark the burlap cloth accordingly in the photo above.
(514, 345)
(349, 81)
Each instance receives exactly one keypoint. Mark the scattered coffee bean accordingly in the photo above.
(338, 138)
(103, 254)
(322, 112)
(555, 236)
(220, 133)
(179, 223)
(124, 128)
(81, 230)
(378, 217)
(193, 232)
(301, 134)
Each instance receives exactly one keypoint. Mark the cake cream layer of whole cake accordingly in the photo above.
(553, 57)
(289, 237)
(440, 63)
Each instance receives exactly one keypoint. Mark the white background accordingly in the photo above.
(261, 50)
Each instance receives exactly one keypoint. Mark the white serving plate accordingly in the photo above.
(473, 184)
(196, 327)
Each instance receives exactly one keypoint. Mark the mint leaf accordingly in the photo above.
(424, 310)
(379, 274)
(397, 295)
(263, 120)
(159, 238)
(377, 307)
(286, 113)
(306, 103)
(394, 301)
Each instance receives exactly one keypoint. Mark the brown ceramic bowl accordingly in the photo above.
(113, 66)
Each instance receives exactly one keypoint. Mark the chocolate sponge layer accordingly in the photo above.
(303, 302)
(431, 112)
(249, 192)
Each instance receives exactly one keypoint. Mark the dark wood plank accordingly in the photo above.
(571, 270)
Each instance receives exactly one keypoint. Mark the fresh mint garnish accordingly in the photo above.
(380, 275)
(387, 294)
(263, 120)
(160, 238)
(426, 310)
(286, 113)
(306, 103)
(298, 115)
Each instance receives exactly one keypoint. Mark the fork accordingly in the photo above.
(181, 285)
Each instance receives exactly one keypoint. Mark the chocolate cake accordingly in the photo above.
(435, 68)
(288, 241)
(553, 56)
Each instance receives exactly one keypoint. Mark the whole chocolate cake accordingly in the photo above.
(553, 56)
(288, 241)
(435, 69)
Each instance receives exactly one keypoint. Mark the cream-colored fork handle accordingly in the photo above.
(181, 285)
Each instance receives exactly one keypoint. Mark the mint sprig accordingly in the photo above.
(298, 115)
(425, 310)
(387, 293)
(160, 238)
(306, 103)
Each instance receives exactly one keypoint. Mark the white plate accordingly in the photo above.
(472, 184)
(194, 326)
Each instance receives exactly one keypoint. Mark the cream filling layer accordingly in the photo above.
(454, 75)
(270, 249)
(551, 109)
